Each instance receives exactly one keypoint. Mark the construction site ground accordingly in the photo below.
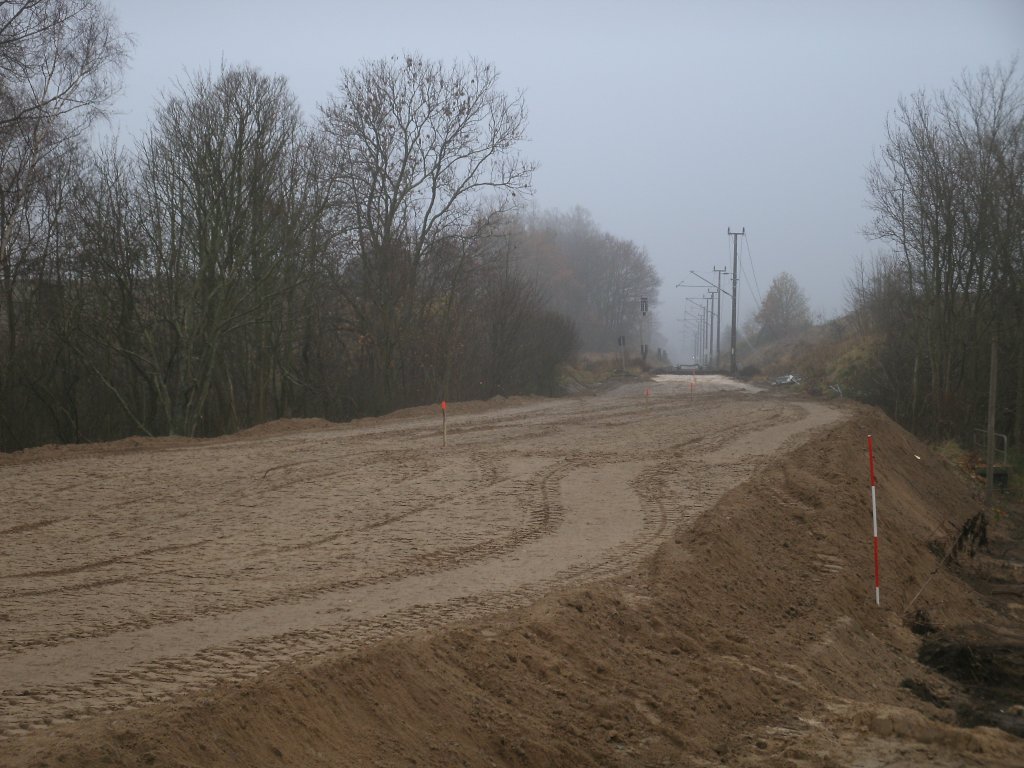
(672, 572)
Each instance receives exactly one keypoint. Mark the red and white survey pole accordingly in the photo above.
(874, 518)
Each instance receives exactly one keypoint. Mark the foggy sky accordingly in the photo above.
(669, 121)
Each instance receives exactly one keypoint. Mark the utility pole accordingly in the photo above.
(710, 298)
(643, 339)
(702, 321)
(735, 250)
(716, 335)
(718, 331)
(990, 431)
(705, 325)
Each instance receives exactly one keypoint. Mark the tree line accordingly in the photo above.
(946, 299)
(240, 262)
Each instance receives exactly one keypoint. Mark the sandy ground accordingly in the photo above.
(176, 602)
(134, 576)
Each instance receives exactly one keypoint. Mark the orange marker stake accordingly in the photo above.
(444, 424)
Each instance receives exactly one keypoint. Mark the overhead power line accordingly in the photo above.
(753, 272)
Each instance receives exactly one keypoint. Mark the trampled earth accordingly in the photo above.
(683, 577)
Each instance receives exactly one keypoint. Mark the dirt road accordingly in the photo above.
(161, 567)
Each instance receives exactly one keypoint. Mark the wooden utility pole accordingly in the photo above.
(990, 448)
(735, 250)
(718, 331)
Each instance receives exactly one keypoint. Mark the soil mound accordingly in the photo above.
(750, 638)
(282, 427)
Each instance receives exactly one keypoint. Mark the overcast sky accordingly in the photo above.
(669, 121)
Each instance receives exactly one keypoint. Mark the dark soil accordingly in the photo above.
(985, 660)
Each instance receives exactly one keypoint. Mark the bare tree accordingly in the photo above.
(423, 153)
(214, 187)
(60, 66)
(946, 189)
(59, 59)
(886, 368)
(236, 266)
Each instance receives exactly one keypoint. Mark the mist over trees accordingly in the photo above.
(594, 278)
(240, 262)
(947, 190)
